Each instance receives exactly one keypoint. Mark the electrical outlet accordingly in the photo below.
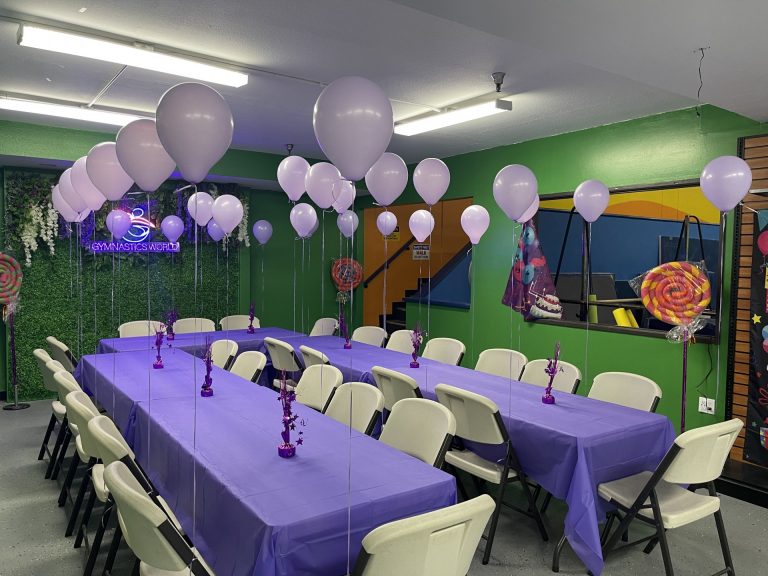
(706, 405)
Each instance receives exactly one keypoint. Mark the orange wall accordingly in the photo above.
(403, 273)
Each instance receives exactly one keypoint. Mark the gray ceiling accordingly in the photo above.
(569, 64)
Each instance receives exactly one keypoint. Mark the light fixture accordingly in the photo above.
(458, 113)
(67, 111)
(120, 53)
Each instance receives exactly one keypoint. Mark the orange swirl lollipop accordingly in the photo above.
(676, 292)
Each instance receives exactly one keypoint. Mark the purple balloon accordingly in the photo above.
(475, 221)
(262, 231)
(386, 222)
(421, 224)
(591, 199)
(344, 194)
(228, 212)
(200, 207)
(530, 211)
(514, 189)
(105, 171)
(303, 219)
(172, 227)
(725, 181)
(69, 193)
(347, 222)
(431, 179)
(118, 223)
(291, 174)
(141, 154)
(91, 195)
(387, 178)
(194, 124)
(319, 183)
(353, 124)
(61, 206)
(215, 231)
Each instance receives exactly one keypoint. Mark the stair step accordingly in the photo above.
(392, 324)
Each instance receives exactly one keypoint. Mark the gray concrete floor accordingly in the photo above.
(32, 527)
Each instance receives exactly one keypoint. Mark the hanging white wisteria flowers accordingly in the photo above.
(41, 222)
(242, 228)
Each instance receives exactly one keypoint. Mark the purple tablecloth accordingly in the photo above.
(215, 460)
(569, 448)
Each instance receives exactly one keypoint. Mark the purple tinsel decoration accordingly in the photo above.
(207, 391)
(158, 344)
(286, 398)
(552, 369)
(251, 316)
(416, 337)
(170, 318)
(343, 330)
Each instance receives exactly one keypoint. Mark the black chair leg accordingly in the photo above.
(661, 535)
(607, 527)
(70, 477)
(79, 502)
(136, 568)
(62, 454)
(56, 446)
(83, 526)
(94, 553)
(545, 504)
(47, 437)
(113, 547)
(558, 551)
(495, 518)
(534, 509)
(721, 534)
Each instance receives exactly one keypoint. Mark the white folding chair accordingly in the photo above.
(147, 530)
(138, 328)
(567, 378)
(312, 357)
(61, 353)
(249, 365)
(284, 360)
(501, 362)
(478, 420)
(660, 499)
(421, 428)
(58, 411)
(65, 383)
(372, 335)
(190, 325)
(445, 350)
(438, 543)
(223, 353)
(238, 322)
(626, 389)
(324, 327)
(356, 404)
(395, 386)
(401, 341)
(317, 384)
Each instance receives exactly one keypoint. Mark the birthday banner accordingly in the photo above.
(757, 408)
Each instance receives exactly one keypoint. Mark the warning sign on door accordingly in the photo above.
(420, 251)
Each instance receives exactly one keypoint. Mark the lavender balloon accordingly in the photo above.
(172, 227)
(118, 223)
(353, 124)
(347, 222)
(262, 231)
(421, 224)
(291, 174)
(69, 193)
(319, 183)
(591, 199)
(91, 195)
(387, 178)
(530, 212)
(194, 124)
(514, 189)
(386, 222)
(215, 231)
(228, 212)
(725, 181)
(200, 207)
(475, 221)
(106, 172)
(431, 179)
(61, 206)
(303, 219)
(344, 195)
(141, 154)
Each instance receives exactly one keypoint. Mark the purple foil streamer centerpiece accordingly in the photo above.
(286, 449)
(159, 344)
(251, 329)
(343, 329)
(417, 336)
(552, 369)
(206, 391)
(170, 319)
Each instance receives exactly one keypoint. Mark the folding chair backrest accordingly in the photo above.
(445, 350)
(324, 327)
(626, 389)
(363, 401)
(223, 352)
(282, 355)
(419, 427)
(42, 358)
(313, 357)
(64, 381)
(249, 365)
(373, 335)
(62, 353)
(110, 444)
(566, 380)
(703, 452)
(395, 386)
(238, 322)
(316, 385)
(138, 328)
(477, 417)
(401, 341)
(439, 543)
(189, 325)
(80, 411)
(501, 362)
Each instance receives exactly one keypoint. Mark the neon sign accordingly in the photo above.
(141, 247)
(140, 227)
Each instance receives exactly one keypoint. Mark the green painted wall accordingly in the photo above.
(671, 146)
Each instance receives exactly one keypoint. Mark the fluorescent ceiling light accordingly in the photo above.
(109, 51)
(64, 111)
(451, 117)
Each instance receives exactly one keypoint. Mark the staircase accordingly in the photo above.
(396, 320)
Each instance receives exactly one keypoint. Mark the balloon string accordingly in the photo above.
(303, 286)
(294, 284)
(226, 257)
(194, 386)
(309, 267)
(322, 271)
(80, 290)
(218, 274)
(587, 238)
(262, 281)
(429, 277)
(149, 347)
(472, 307)
(384, 291)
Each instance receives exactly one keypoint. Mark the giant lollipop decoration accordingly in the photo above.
(10, 284)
